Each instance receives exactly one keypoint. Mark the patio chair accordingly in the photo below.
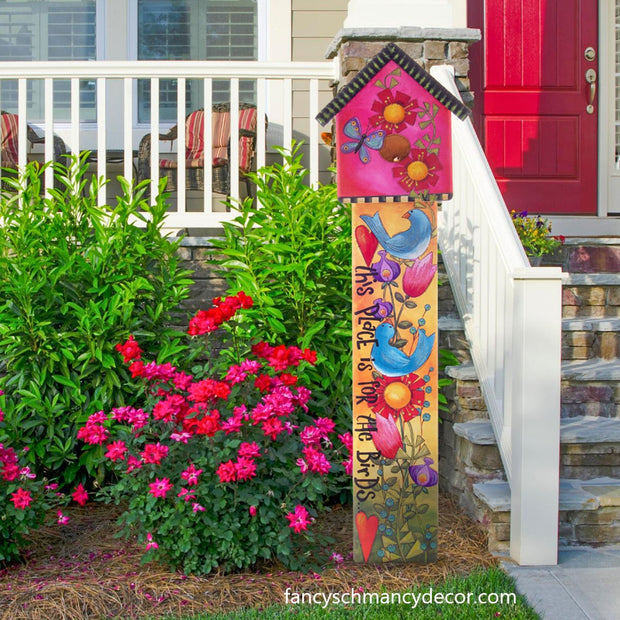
(9, 136)
(194, 149)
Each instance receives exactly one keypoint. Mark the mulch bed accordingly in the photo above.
(81, 571)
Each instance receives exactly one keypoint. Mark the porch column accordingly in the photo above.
(432, 32)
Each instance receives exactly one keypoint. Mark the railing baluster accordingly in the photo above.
(101, 138)
(314, 132)
(23, 123)
(128, 128)
(154, 138)
(234, 139)
(208, 142)
(181, 161)
(261, 93)
(49, 133)
(75, 116)
(287, 138)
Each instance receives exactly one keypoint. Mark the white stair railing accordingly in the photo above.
(512, 318)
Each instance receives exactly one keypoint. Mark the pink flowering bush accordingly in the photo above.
(223, 465)
(24, 499)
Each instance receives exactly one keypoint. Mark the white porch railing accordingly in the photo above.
(287, 94)
(512, 316)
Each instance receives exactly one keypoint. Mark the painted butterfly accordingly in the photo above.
(363, 141)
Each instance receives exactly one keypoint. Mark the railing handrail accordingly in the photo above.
(169, 69)
(512, 317)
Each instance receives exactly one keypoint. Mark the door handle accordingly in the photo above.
(591, 79)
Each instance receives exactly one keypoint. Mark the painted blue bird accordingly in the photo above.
(390, 360)
(407, 244)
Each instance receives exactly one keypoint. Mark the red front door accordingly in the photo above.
(532, 98)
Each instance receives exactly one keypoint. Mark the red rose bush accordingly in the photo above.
(223, 465)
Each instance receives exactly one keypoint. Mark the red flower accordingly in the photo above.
(394, 112)
(387, 438)
(80, 495)
(191, 475)
(129, 350)
(116, 450)
(227, 471)
(154, 453)
(418, 171)
(419, 275)
(21, 499)
(245, 468)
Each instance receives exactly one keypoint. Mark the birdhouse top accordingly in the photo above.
(392, 52)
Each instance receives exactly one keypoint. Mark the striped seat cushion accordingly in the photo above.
(220, 131)
(9, 128)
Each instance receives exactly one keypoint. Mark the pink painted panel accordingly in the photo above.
(393, 138)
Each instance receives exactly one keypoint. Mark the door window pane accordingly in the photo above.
(194, 30)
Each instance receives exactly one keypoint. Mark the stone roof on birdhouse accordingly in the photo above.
(409, 66)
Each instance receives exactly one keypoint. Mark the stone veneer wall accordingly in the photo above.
(427, 46)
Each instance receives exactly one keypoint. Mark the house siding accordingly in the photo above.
(314, 25)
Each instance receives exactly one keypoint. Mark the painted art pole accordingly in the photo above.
(394, 162)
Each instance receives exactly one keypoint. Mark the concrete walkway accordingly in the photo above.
(585, 585)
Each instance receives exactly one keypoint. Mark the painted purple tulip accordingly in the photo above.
(386, 270)
(417, 278)
(382, 308)
(424, 475)
(387, 438)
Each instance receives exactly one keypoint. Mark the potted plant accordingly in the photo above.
(535, 234)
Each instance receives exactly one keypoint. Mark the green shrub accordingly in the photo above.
(76, 278)
(290, 250)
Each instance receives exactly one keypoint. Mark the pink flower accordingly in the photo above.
(418, 277)
(21, 498)
(252, 510)
(325, 425)
(299, 519)
(186, 495)
(310, 436)
(62, 519)
(336, 558)
(227, 472)
(181, 437)
(80, 495)
(133, 462)
(160, 487)
(386, 438)
(191, 475)
(347, 440)
(116, 450)
(317, 461)
(154, 453)
(235, 375)
(249, 449)
(150, 543)
(303, 466)
(93, 433)
(245, 468)
(196, 507)
(272, 427)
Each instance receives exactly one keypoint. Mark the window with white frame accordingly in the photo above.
(50, 30)
(194, 30)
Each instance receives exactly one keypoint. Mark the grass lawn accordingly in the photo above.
(491, 583)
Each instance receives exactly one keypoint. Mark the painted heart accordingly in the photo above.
(367, 243)
(366, 531)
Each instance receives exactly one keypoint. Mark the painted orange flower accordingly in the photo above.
(399, 396)
(418, 171)
(394, 111)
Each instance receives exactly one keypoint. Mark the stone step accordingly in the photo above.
(589, 387)
(589, 447)
(587, 255)
(591, 295)
(590, 338)
(588, 511)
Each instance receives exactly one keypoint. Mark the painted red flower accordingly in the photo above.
(387, 438)
(399, 396)
(418, 171)
(394, 111)
(419, 275)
